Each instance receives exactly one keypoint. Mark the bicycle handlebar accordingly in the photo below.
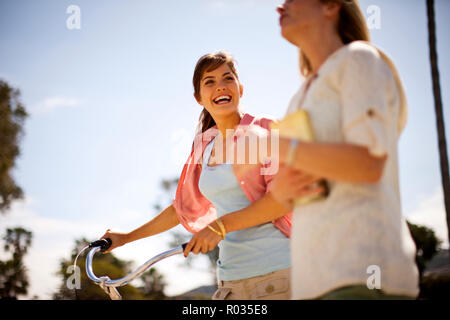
(103, 245)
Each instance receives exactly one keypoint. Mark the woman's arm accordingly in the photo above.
(288, 184)
(166, 220)
(263, 210)
(371, 105)
(274, 204)
(335, 161)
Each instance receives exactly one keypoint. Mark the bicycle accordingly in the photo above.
(108, 285)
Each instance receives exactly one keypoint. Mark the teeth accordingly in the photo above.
(222, 98)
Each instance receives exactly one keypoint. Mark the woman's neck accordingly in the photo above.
(319, 46)
(228, 122)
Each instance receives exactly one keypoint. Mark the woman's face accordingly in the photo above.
(220, 91)
(299, 17)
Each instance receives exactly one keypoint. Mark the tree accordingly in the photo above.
(435, 285)
(153, 288)
(13, 273)
(113, 267)
(438, 109)
(427, 245)
(12, 116)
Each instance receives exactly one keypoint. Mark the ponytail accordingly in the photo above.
(205, 121)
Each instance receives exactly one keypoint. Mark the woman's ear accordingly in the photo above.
(331, 8)
(241, 90)
(199, 101)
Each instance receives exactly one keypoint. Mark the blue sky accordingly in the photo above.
(112, 110)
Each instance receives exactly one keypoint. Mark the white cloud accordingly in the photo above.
(430, 212)
(52, 103)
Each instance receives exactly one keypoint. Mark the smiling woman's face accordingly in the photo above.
(220, 91)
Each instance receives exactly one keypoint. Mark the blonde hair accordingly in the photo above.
(351, 26)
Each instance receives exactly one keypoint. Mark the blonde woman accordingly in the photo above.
(355, 244)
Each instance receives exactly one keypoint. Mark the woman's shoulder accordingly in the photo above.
(265, 121)
(363, 60)
(261, 120)
(362, 48)
(360, 59)
(356, 54)
(363, 55)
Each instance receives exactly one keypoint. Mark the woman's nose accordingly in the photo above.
(220, 86)
(280, 9)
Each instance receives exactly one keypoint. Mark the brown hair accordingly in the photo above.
(351, 27)
(207, 63)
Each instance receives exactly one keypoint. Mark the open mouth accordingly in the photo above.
(223, 99)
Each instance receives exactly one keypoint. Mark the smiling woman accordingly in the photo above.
(223, 205)
(217, 70)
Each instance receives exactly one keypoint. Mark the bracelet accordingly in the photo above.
(291, 152)
(215, 231)
(222, 227)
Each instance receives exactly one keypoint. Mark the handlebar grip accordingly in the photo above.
(104, 244)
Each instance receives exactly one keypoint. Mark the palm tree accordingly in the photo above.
(438, 108)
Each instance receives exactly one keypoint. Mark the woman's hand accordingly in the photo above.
(289, 184)
(203, 241)
(118, 239)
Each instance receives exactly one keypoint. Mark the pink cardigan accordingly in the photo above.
(194, 211)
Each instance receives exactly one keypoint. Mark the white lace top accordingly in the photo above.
(355, 98)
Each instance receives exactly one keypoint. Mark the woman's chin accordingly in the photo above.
(226, 109)
(289, 33)
(286, 35)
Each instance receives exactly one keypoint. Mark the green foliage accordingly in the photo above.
(432, 286)
(113, 267)
(13, 273)
(427, 245)
(154, 284)
(12, 116)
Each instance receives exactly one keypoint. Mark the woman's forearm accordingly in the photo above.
(166, 220)
(341, 162)
(263, 210)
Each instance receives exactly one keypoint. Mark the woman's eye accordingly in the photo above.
(209, 82)
(229, 78)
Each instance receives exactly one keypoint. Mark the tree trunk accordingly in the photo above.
(438, 109)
